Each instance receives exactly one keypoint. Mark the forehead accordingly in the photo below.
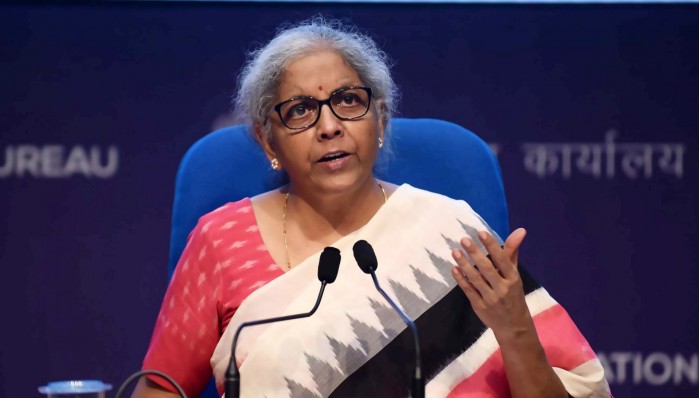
(316, 75)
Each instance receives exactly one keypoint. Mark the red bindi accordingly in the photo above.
(320, 88)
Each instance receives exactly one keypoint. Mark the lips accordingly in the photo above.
(334, 161)
(331, 156)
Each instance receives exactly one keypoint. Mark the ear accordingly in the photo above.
(382, 117)
(264, 142)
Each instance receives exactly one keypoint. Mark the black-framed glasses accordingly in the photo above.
(347, 103)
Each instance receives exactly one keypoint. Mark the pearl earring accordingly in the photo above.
(381, 142)
(275, 164)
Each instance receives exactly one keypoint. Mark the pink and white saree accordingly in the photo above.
(355, 345)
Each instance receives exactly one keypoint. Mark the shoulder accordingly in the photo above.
(224, 235)
(229, 215)
(224, 222)
(434, 206)
(423, 197)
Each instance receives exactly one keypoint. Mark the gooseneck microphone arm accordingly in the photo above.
(367, 260)
(327, 272)
(233, 377)
(418, 388)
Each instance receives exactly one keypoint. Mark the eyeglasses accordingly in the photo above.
(347, 103)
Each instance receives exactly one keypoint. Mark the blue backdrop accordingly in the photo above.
(591, 109)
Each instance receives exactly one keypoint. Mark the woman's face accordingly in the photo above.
(332, 156)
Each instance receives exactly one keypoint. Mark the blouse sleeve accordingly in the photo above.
(188, 325)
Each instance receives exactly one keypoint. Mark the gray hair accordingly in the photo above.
(260, 79)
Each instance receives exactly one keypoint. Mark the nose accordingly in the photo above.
(328, 126)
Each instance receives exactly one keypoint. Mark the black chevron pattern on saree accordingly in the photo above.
(446, 329)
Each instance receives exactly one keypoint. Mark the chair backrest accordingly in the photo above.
(227, 165)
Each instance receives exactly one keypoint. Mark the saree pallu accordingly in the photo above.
(355, 345)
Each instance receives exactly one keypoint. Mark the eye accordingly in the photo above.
(298, 110)
(348, 99)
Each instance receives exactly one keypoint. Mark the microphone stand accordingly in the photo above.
(418, 385)
(232, 381)
(367, 260)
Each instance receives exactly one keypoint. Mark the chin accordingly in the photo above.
(343, 184)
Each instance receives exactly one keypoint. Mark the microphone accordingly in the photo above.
(367, 260)
(328, 266)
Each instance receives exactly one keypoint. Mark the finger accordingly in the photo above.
(469, 290)
(486, 266)
(484, 270)
(473, 275)
(498, 256)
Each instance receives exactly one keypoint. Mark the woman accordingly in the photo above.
(319, 98)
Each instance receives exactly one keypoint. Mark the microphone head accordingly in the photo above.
(328, 264)
(365, 257)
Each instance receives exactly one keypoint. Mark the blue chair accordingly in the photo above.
(435, 155)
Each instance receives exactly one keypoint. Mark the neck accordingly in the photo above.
(332, 214)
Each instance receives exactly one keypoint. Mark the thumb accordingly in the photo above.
(513, 243)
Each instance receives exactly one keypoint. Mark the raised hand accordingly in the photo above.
(493, 286)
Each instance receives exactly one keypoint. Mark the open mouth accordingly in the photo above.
(333, 156)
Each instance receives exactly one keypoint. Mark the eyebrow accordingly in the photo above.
(348, 85)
